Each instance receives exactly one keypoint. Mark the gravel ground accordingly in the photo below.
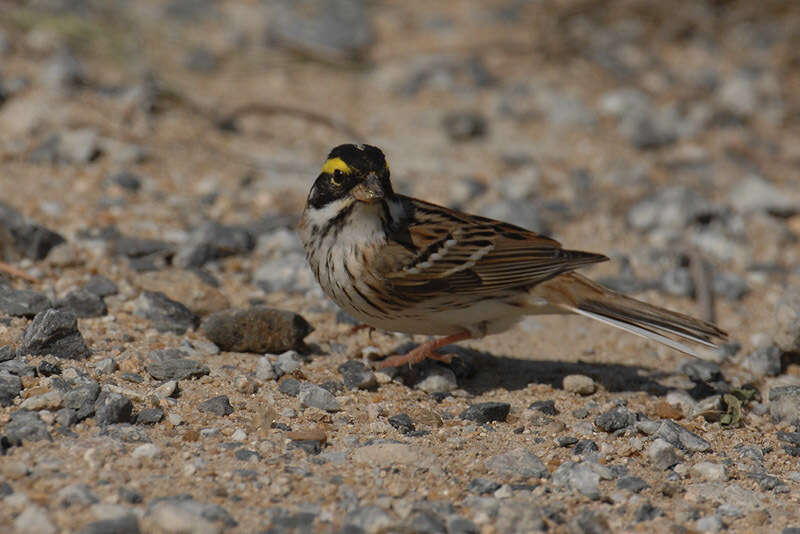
(168, 364)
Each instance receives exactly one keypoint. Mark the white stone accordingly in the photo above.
(147, 450)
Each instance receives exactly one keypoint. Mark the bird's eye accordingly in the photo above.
(336, 177)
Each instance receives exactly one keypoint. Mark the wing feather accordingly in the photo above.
(457, 252)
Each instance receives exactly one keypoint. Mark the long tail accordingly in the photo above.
(577, 294)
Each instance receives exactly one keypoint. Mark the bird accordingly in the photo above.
(403, 264)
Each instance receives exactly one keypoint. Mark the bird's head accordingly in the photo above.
(355, 172)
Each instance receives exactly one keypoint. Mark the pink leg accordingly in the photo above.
(426, 350)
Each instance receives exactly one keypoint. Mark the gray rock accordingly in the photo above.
(287, 363)
(82, 303)
(578, 477)
(547, 407)
(615, 419)
(729, 285)
(649, 129)
(312, 27)
(739, 95)
(647, 512)
(588, 522)
(127, 180)
(78, 146)
(624, 101)
(287, 272)
(200, 59)
(101, 286)
(198, 347)
(515, 516)
(460, 525)
(66, 417)
(678, 282)
(483, 486)
(81, 399)
(520, 184)
(22, 302)
(709, 471)
(662, 454)
(264, 369)
(76, 494)
(585, 446)
(135, 247)
(426, 522)
(48, 368)
(464, 125)
(632, 484)
(674, 434)
(126, 524)
(701, 370)
(7, 353)
(181, 513)
(566, 441)
(672, 208)
(55, 332)
(190, 10)
(289, 386)
(126, 433)
(149, 416)
(10, 386)
(317, 397)
(213, 241)
(768, 482)
(30, 239)
(112, 408)
(756, 194)
(765, 361)
(710, 523)
(486, 412)
(285, 523)
(219, 405)
(247, 455)
(259, 329)
(784, 403)
(371, 519)
(34, 520)
(356, 375)
(165, 314)
(148, 451)
(106, 366)
(402, 422)
(787, 321)
(517, 463)
(63, 72)
(18, 367)
(168, 364)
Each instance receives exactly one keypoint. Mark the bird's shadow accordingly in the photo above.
(481, 372)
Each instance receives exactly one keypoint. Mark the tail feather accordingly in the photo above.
(628, 310)
(582, 296)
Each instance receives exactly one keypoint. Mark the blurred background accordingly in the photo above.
(643, 129)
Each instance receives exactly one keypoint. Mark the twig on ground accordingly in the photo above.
(15, 271)
(703, 289)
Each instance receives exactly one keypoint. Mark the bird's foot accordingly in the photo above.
(423, 352)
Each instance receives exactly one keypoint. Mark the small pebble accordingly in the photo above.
(219, 405)
(486, 412)
(580, 384)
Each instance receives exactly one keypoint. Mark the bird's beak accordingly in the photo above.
(369, 190)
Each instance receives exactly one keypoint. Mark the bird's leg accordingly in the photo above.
(426, 350)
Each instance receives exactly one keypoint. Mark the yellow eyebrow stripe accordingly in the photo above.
(336, 164)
